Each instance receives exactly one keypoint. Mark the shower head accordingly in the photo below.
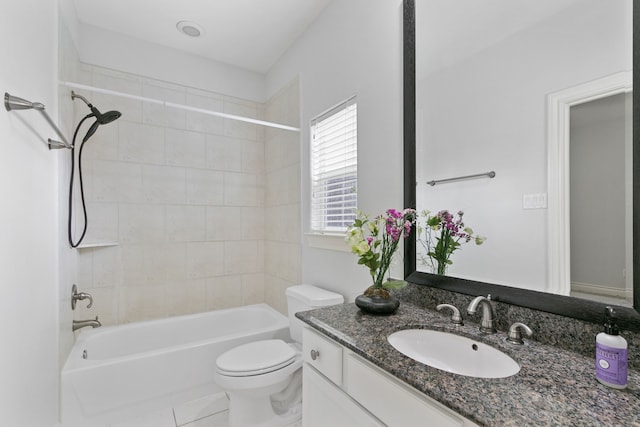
(105, 118)
(101, 119)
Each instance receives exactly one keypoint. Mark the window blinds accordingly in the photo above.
(334, 168)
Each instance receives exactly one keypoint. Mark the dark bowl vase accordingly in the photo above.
(377, 305)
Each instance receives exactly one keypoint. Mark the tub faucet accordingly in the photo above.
(77, 324)
(488, 323)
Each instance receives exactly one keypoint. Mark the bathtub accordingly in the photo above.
(117, 372)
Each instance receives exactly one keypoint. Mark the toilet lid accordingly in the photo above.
(256, 358)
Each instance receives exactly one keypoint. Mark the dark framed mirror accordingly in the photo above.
(578, 308)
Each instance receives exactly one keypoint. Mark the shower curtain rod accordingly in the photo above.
(180, 106)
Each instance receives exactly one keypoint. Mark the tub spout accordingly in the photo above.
(77, 324)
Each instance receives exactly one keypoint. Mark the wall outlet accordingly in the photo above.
(534, 201)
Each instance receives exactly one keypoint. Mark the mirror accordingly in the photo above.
(521, 161)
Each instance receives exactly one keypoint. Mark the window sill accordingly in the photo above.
(332, 242)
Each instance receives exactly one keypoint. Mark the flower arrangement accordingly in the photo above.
(443, 235)
(375, 242)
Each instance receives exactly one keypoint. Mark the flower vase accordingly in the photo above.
(377, 301)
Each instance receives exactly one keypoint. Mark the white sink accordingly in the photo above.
(453, 353)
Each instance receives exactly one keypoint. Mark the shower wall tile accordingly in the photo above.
(186, 196)
(186, 223)
(104, 222)
(205, 259)
(164, 263)
(202, 122)
(242, 189)
(241, 129)
(116, 182)
(275, 288)
(104, 143)
(223, 153)
(243, 257)
(205, 187)
(253, 223)
(85, 269)
(141, 143)
(186, 297)
(253, 288)
(141, 303)
(252, 157)
(224, 292)
(223, 223)
(185, 148)
(133, 273)
(161, 115)
(163, 184)
(282, 197)
(107, 267)
(140, 223)
(283, 260)
(283, 223)
(282, 149)
(283, 186)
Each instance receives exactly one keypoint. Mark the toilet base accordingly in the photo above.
(278, 405)
(261, 414)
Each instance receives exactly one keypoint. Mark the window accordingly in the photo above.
(334, 168)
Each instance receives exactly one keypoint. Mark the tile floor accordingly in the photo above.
(209, 411)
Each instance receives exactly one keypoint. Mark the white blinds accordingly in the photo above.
(334, 168)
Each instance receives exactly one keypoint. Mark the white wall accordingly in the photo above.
(29, 218)
(119, 52)
(354, 47)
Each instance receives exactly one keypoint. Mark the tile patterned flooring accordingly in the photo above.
(209, 411)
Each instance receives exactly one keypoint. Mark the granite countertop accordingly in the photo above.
(554, 386)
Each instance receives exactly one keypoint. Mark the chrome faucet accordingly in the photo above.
(488, 323)
(77, 324)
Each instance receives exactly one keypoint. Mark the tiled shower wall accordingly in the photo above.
(183, 195)
(282, 197)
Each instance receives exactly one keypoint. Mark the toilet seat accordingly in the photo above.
(256, 358)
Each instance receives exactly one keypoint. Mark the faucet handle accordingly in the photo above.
(456, 318)
(75, 296)
(514, 336)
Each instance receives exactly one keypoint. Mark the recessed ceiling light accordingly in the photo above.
(190, 28)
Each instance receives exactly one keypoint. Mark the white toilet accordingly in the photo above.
(264, 378)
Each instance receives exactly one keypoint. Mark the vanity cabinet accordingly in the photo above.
(341, 388)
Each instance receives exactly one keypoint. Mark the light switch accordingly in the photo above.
(534, 201)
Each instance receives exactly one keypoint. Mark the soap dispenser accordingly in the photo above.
(611, 353)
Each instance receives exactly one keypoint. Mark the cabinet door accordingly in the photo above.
(324, 404)
(393, 402)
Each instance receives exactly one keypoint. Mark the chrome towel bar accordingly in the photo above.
(490, 174)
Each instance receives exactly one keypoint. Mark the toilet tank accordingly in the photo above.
(307, 297)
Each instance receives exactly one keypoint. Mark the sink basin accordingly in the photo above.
(453, 353)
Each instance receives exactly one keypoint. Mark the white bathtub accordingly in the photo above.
(138, 368)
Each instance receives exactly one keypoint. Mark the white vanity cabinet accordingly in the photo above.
(341, 388)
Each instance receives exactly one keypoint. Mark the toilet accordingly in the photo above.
(264, 378)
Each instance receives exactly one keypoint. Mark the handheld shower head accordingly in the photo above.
(107, 117)
(101, 119)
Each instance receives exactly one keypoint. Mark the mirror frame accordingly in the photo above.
(582, 309)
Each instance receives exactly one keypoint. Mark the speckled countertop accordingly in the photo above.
(554, 387)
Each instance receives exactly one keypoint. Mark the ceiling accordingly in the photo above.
(250, 34)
